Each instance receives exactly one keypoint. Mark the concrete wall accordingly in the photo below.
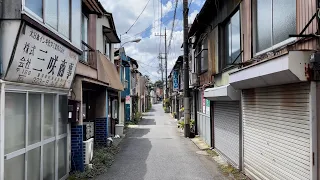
(8, 32)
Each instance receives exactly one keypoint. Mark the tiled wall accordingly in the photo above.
(101, 131)
(77, 151)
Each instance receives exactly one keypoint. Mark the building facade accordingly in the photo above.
(38, 62)
(96, 87)
(254, 78)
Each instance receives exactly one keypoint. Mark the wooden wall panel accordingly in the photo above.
(305, 11)
(246, 30)
(211, 53)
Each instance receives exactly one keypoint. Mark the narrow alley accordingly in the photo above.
(156, 150)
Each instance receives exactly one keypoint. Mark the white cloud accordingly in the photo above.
(146, 52)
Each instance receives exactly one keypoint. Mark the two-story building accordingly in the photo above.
(95, 90)
(40, 44)
(256, 62)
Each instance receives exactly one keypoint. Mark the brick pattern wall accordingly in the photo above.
(77, 150)
(101, 131)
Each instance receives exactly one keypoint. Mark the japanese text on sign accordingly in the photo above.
(41, 60)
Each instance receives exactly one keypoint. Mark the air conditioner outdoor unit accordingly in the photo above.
(88, 149)
(194, 79)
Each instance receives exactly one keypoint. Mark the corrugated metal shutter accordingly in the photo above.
(277, 132)
(226, 130)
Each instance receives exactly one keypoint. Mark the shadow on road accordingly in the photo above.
(130, 163)
(147, 121)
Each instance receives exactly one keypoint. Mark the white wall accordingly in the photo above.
(103, 21)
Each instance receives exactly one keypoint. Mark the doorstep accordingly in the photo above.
(200, 144)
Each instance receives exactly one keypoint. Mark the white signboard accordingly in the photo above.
(41, 60)
(127, 99)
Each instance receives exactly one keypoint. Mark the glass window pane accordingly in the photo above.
(35, 6)
(84, 29)
(76, 22)
(63, 114)
(235, 39)
(284, 20)
(15, 121)
(34, 163)
(48, 161)
(14, 168)
(34, 117)
(48, 129)
(51, 13)
(263, 22)
(62, 157)
(64, 17)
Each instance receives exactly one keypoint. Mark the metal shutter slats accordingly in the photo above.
(276, 132)
(226, 129)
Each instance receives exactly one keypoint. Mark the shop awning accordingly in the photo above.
(222, 93)
(289, 68)
(108, 73)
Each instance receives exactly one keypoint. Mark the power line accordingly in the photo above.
(138, 17)
(174, 19)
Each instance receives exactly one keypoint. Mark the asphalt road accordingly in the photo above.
(155, 150)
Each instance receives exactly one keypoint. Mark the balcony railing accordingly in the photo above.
(89, 55)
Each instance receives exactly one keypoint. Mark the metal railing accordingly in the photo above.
(89, 55)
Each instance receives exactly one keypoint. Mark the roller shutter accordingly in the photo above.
(276, 129)
(226, 130)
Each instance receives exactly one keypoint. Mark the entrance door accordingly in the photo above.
(35, 136)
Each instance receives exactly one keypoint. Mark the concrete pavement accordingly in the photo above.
(155, 150)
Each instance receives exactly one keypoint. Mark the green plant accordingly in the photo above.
(181, 124)
(137, 117)
(167, 102)
(166, 109)
(182, 109)
(192, 122)
(103, 157)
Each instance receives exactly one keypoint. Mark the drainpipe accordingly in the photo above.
(2, 104)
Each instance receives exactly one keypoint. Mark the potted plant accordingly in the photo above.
(192, 128)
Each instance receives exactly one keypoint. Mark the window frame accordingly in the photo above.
(42, 21)
(201, 53)
(254, 34)
(223, 37)
(55, 139)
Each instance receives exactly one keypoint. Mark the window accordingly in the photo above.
(58, 14)
(35, 6)
(51, 13)
(107, 47)
(76, 22)
(202, 56)
(28, 114)
(233, 40)
(84, 28)
(274, 21)
(64, 23)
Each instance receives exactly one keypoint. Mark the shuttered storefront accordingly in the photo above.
(277, 132)
(226, 129)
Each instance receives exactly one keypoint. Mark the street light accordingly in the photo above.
(135, 41)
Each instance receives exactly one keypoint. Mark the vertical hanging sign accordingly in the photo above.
(208, 107)
(175, 81)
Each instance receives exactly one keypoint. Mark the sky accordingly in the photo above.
(146, 52)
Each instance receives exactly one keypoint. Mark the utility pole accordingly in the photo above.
(166, 60)
(186, 70)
